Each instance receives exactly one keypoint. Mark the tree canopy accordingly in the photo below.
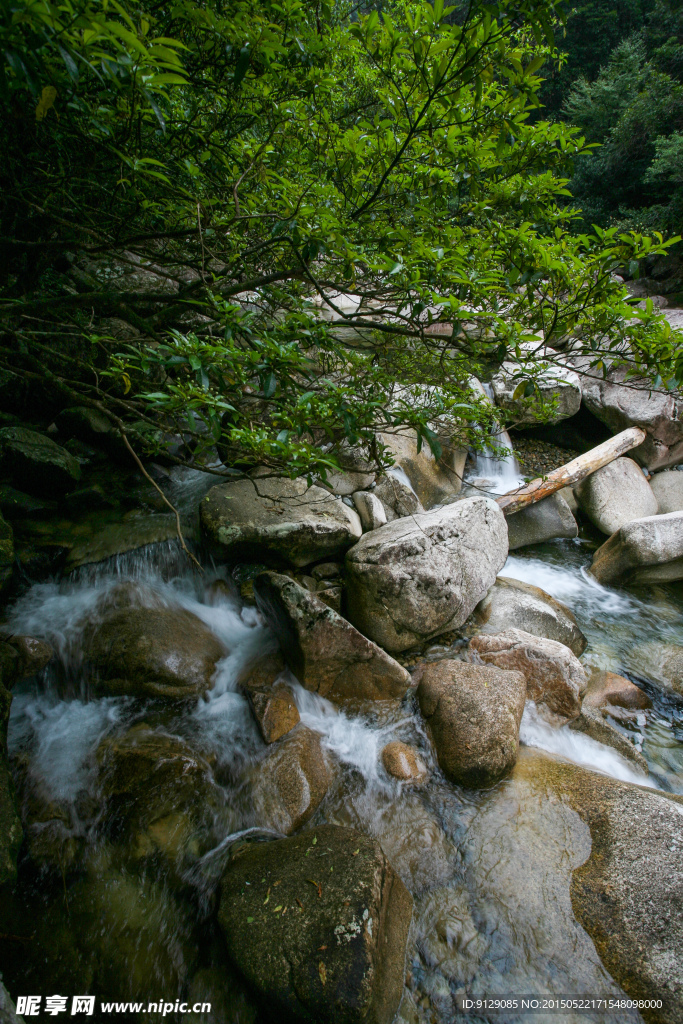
(281, 229)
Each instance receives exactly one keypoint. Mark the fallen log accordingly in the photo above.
(573, 472)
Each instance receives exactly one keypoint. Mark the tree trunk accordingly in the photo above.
(573, 472)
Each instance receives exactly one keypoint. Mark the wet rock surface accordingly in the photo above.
(278, 517)
(616, 495)
(512, 604)
(628, 894)
(331, 949)
(593, 723)
(324, 651)
(159, 652)
(419, 577)
(544, 520)
(271, 699)
(555, 678)
(648, 550)
(607, 689)
(36, 463)
(403, 762)
(291, 782)
(473, 713)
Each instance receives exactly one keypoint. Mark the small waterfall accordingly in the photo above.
(496, 474)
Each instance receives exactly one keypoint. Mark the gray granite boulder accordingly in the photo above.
(511, 604)
(648, 550)
(667, 488)
(420, 576)
(615, 495)
(544, 520)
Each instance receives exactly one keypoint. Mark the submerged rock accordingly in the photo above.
(662, 663)
(555, 678)
(318, 925)
(511, 604)
(616, 495)
(473, 713)
(648, 550)
(279, 517)
(544, 520)
(36, 463)
(418, 577)
(324, 651)
(403, 762)
(628, 894)
(156, 652)
(291, 782)
(667, 488)
(593, 724)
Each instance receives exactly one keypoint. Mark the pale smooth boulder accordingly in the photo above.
(620, 402)
(554, 383)
(473, 713)
(324, 651)
(547, 519)
(420, 576)
(616, 495)
(434, 481)
(511, 604)
(396, 493)
(667, 488)
(646, 550)
(370, 509)
(555, 678)
(278, 517)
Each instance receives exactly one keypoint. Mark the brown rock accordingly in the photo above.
(403, 762)
(271, 701)
(156, 652)
(607, 688)
(474, 713)
(317, 944)
(554, 676)
(21, 657)
(291, 782)
(512, 604)
(324, 651)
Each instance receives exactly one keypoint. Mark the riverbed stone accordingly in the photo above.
(615, 495)
(473, 713)
(279, 518)
(607, 689)
(271, 699)
(512, 604)
(667, 488)
(370, 509)
(403, 762)
(418, 577)
(290, 783)
(324, 651)
(648, 550)
(434, 481)
(542, 521)
(398, 498)
(628, 894)
(619, 403)
(555, 678)
(661, 663)
(36, 464)
(154, 652)
(318, 924)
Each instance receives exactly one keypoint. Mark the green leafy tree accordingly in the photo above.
(191, 194)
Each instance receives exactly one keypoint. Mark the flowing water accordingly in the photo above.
(105, 906)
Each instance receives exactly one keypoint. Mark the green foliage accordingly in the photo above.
(191, 192)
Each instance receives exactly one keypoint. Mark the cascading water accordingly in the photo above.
(496, 474)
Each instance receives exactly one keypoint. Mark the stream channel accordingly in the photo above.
(104, 908)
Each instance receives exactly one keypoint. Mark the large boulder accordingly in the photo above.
(555, 678)
(646, 550)
(291, 781)
(557, 384)
(544, 520)
(117, 538)
(318, 925)
(36, 463)
(511, 604)
(628, 894)
(434, 481)
(397, 496)
(667, 488)
(154, 652)
(324, 651)
(616, 495)
(355, 474)
(280, 518)
(473, 713)
(418, 577)
(619, 403)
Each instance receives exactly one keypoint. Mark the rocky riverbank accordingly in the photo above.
(243, 783)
